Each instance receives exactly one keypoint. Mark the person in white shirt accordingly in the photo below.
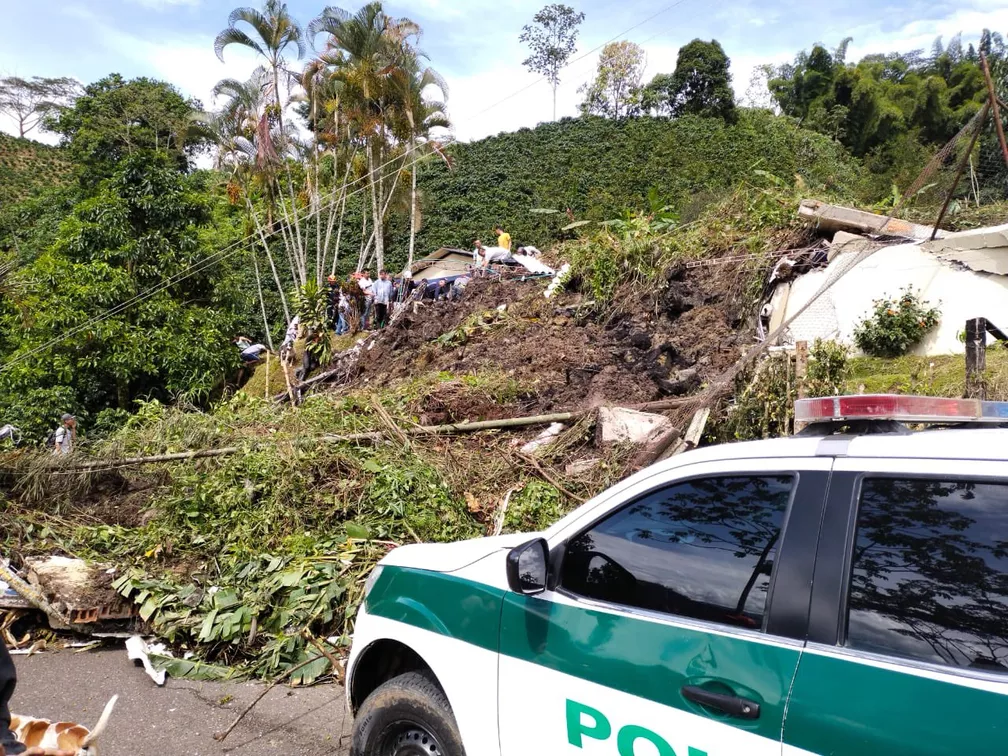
(382, 294)
(292, 332)
(485, 256)
(66, 435)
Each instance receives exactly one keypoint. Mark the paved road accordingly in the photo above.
(180, 718)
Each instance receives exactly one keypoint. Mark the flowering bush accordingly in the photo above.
(896, 325)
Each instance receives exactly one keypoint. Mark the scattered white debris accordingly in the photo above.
(559, 281)
(139, 651)
(532, 265)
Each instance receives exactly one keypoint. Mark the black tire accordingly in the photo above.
(407, 715)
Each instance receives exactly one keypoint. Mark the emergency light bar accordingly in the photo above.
(906, 409)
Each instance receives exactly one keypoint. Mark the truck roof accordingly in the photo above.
(967, 443)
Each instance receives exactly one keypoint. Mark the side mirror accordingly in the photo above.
(527, 567)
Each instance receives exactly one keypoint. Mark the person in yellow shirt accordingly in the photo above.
(503, 239)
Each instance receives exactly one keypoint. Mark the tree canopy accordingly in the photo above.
(29, 101)
(552, 39)
(871, 103)
(700, 85)
(116, 118)
(615, 91)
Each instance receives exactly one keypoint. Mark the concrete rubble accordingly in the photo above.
(617, 425)
(82, 589)
(964, 273)
(984, 250)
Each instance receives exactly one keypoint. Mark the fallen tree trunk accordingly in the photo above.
(372, 436)
(511, 422)
(174, 457)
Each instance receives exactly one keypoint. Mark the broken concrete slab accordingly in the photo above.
(617, 425)
(838, 218)
(844, 241)
(82, 589)
(984, 250)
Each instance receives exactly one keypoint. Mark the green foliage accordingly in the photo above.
(764, 402)
(871, 104)
(311, 302)
(534, 508)
(27, 168)
(700, 85)
(552, 39)
(115, 119)
(598, 168)
(615, 91)
(896, 326)
(275, 539)
(935, 375)
(145, 225)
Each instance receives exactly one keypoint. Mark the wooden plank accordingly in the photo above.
(838, 218)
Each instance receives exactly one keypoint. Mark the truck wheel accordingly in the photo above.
(406, 716)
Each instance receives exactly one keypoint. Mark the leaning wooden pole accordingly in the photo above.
(961, 169)
(994, 106)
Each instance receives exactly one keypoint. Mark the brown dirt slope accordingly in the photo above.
(559, 354)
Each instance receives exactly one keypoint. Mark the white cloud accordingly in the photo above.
(189, 63)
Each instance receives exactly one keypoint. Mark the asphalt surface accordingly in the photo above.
(180, 718)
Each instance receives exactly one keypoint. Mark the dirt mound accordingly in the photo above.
(558, 354)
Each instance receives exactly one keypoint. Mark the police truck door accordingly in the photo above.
(676, 619)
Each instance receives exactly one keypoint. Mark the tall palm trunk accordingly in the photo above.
(376, 213)
(413, 203)
(276, 94)
(269, 256)
(262, 302)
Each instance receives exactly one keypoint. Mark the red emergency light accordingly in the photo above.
(906, 409)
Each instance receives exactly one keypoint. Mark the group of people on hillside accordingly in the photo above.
(368, 304)
(484, 257)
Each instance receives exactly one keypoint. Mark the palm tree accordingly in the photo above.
(420, 115)
(248, 143)
(274, 31)
(373, 46)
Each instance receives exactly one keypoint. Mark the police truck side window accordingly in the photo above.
(929, 574)
(702, 549)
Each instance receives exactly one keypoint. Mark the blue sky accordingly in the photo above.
(474, 43)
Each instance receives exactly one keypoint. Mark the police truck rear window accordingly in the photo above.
(930, 572)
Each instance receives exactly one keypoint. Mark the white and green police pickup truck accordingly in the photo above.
(842, 594)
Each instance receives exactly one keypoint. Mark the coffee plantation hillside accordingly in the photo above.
(27, 166)
(598, 168)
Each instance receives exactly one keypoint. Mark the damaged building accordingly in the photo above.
(964, 274)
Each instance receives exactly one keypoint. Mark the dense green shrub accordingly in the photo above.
(896, 326)
(764, 403)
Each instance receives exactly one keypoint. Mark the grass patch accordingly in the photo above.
(943, 375)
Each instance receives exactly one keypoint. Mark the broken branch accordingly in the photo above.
(550, 479)
(219, 736)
